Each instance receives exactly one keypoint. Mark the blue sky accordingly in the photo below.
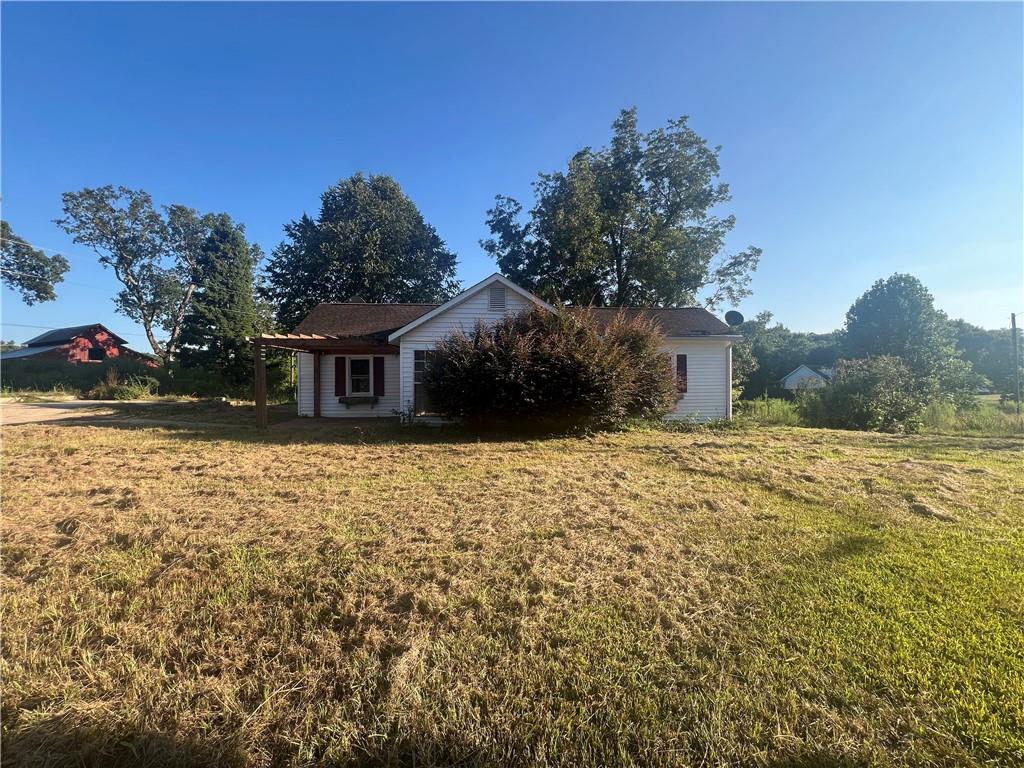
(858, 140)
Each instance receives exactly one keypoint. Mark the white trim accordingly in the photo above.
(495, 278)
(728, 383)
(810, 370)
(705, 336)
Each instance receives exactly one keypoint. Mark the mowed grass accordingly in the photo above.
(376, 597)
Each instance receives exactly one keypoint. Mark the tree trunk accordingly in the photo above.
(179, 318)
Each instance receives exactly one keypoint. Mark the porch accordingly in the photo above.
(318, 346)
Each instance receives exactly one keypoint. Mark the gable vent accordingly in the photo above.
(496, 298)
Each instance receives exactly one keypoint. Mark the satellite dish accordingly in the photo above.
(733, 318)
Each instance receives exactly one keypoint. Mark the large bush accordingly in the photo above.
(558, 370)
(877, 393)
(98, 379)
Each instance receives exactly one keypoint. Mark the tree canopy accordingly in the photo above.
(628, 224)
(28, 270)
(777, 350)
(990, 352)
(368, 241)
(897, 317)
(154, 256)
(224, 310)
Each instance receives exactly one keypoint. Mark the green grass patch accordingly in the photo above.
(777, 596)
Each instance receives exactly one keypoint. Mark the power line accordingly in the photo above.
(65, 282)
(49, 328)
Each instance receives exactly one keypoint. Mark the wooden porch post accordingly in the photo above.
(260, 354)
(316, 384)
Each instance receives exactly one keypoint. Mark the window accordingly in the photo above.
(421, 358)
(359, 376)
(496, 298)
(97, 353)
(680, 374)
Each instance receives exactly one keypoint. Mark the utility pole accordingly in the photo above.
(1016, 357)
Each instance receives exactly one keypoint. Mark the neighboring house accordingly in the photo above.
(78, 344)
(805, 377)
(358, 360)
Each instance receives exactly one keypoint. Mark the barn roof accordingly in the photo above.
(64, 335)
(15, 354)
(373, 323)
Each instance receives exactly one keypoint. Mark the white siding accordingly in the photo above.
(803, 378)
(708, 393)
(462, 317)
(329, 405)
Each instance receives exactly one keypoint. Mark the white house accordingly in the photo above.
(805, 377)
(358, 360)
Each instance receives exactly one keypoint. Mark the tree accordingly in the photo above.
(897, 317)
(877, 393)
(224, 311)
(370, 241)
(10, 346)
(777, 350)
(990, 353)
(28, 270)
(154, 256)
(629, 224)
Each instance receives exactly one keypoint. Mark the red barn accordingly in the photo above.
(78, 344)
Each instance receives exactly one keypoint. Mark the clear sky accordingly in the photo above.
(858, 140)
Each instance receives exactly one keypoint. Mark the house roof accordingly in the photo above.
(374, 323)
(64, 335)
(804, 367)
(358, 321)
(674, 322)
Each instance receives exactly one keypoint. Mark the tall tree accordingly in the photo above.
(778, 350)
(990, 353)
(629, 224)
(897, 317)
(223, 311)
(154, 256)
(28, 270)
(370, 241)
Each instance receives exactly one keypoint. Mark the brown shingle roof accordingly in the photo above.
(373, 323)
(679, 321)
(355, 320)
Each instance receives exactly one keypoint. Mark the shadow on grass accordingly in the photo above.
(58, 743)
(199, 422)
(218, 422)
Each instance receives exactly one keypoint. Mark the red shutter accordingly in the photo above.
(339, 377)
(680, 374)
(378, 376)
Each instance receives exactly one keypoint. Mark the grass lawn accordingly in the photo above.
(774, 596)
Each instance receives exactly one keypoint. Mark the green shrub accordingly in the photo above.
(48, 375)
(94, 379)
(767, 410)
(552, 370)
(877, 393)
(982, 419)
(131, 388)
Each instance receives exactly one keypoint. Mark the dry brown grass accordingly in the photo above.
(183, 597)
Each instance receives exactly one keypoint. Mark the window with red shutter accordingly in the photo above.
(680, 374)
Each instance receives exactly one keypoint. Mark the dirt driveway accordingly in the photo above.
(34, 413)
